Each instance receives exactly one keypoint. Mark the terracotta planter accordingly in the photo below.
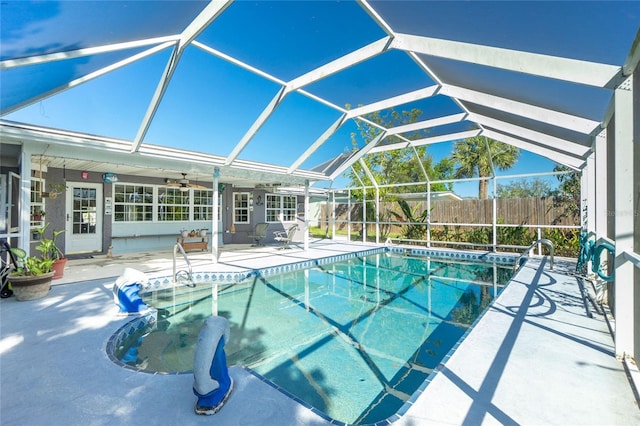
(31, 287)
(58, 268)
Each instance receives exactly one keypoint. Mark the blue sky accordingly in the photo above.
(211, 103)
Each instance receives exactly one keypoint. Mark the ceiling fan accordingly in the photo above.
(183, 183)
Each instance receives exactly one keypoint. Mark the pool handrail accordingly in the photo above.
(525, 253)
(179, 247)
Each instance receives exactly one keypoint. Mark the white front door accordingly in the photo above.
(83, 231)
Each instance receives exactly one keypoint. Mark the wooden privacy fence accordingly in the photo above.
(517, 211)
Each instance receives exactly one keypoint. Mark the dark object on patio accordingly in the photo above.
(286, 237)
(259, 232)
(6, 256)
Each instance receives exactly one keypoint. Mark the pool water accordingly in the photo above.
(354, 339)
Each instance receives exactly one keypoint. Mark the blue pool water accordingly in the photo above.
(354, 339)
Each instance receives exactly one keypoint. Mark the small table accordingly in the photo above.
(194, 243)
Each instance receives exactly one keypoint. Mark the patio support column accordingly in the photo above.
(349, 214)
(429, 214)
(25, 200)
(364, 214)
(494, 220)
(333, 215)
(215, 232)
(377, 215)
(588, 196)
(601, 185)
(306, 215)
(624, 310)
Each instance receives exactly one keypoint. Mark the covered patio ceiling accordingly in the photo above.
(273, 91)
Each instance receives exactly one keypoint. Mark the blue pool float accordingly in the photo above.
(126, 292)
(212, 384)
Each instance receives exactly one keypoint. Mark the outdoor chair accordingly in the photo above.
(285, 237)
(259, 232)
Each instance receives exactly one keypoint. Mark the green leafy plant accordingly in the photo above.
(416, 227)
(38, 265)
(31, 265)
(47, 246)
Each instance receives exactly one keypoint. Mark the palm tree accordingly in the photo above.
(472, 159)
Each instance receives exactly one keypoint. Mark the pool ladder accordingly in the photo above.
(180, 274)
(525, 253)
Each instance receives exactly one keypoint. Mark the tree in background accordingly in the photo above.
(472, 158)
(525, 189)
(398, 165)
(568, 192)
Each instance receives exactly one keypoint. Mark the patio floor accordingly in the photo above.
(534, 358)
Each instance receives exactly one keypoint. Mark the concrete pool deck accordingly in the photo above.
(534, 358)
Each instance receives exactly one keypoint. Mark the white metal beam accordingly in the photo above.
(573, 70)
(72, 54)
(394, 101)
(346, 61)
(624, 309)
(367, 172)
(600, 148)
(427, 141)
(631, 63)
(542, 138)
(262, 118)
(88, 77)
(358, 155)
(237, 62)
(558, 157)
(202, 21)
(318, 143)
(560, 119)
(590, 194)
(420, 125)
(204, 18)
(446, 138)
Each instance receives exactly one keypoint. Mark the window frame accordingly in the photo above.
(286, 209)
(240, 208)
(189, 203)
(143, 204)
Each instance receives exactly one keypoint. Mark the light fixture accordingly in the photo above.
(184, 189)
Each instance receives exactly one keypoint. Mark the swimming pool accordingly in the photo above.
(354, 338)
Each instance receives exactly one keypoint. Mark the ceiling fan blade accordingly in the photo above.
(196, 186)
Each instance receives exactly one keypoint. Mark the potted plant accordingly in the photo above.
(37, 215)
(32, 277)
(50, 250)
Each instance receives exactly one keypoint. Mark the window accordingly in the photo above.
(133, 203)
(274, 205)
(289, 208)
(241, 207)
(37, 204)
(203, 205)
(173, 204)
(281, 208)
(148, 203)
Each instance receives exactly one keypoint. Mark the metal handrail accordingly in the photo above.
(533, 244)
(177, 247)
